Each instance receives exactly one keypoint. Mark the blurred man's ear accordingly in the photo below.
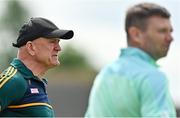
(135, 35)
(30, 48)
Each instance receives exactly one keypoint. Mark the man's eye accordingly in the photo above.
(52, 41)
(162, 30)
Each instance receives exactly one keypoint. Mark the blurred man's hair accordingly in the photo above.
(137, 15)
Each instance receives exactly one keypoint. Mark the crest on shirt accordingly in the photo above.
(34, 90)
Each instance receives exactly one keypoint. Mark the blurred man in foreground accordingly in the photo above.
(133, 86)
(22, 86)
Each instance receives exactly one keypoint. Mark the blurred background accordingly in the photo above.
(99, 36)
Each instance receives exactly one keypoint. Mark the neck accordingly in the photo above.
(36, 68)
(148, 52)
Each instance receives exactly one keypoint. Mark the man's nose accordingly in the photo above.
(58, 47)
(169, 37)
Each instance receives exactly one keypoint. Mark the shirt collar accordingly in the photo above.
(22, 68)
(136, 52)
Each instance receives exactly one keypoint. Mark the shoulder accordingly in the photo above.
(11, 77)
(12, 86)
(155, 80)
(155, 73)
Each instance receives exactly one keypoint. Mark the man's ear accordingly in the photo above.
(30, 48)
(135, 34)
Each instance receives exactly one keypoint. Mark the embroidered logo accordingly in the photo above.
(34, 90)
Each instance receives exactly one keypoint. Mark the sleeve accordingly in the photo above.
(12, 88)
(155, 97)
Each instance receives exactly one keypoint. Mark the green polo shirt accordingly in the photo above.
(22, 94)
(131, 86)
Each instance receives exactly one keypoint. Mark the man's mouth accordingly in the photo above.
(54, 55)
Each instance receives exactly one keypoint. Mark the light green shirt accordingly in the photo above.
(131, 86)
